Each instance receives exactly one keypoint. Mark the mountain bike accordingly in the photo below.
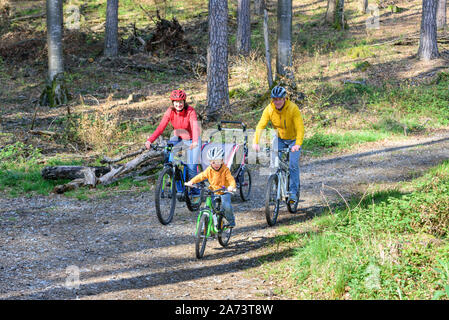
(211, 223)
(278, 188)
(170, 185)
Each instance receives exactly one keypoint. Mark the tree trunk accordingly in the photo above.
(428, 47)
(111, 31)
(55, 93)
(54, 38)
(363, 6)
(267, 48)
(335, 14)
(284, 35)
(259, 6)
(243, 27)
(340, 16)
(217, 59)
(441, 14)
(331, 11)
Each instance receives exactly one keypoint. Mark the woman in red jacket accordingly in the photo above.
(186, 129)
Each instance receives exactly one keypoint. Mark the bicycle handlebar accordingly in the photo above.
(283, 150)
(161, 147)
(201, 185)
(235, 122)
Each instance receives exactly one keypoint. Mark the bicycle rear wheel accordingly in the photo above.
(245, 184)
(201, 236)
(271, 201)
(165, 196)
(192, 205)
(224, 234)
(293, 208)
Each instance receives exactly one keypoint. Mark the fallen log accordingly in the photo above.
(135, 174)
(69, 186)
(129, 166)
(43, 133)
(118, 159)
(92, 176)
(70, 172)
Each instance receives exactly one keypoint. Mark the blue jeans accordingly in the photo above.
(293, 165)
(192, 158)
(227, 207)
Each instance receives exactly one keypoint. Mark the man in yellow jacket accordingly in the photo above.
(287, 120)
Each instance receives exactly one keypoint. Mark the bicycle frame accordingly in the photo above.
(210, 212)
(282, 174)
(175, 163)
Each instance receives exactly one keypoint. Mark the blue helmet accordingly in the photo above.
(278, 92)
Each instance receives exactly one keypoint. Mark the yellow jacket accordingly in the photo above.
(217, 179)
(287, 122)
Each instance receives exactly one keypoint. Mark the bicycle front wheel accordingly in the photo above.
(272, 202)
(224, 234)
(201, 236)
(165, 196)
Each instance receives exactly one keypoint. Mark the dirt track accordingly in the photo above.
(122, 252)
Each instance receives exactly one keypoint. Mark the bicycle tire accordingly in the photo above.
(188, 197)
(166, 210)
(201, 236)
(223, 236)
(245, 195)
(190, 205)
(272, 205)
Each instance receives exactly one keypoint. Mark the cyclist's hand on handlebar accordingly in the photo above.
(295, 148)
(231, 189)
(188, 184)
(193, 145)
(148, 145)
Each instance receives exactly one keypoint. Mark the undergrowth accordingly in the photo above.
(390, 244)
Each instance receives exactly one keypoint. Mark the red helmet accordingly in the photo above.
(177, 95)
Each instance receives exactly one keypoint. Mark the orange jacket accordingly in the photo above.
(217, 179)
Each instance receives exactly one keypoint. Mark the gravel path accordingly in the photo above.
(118, 250)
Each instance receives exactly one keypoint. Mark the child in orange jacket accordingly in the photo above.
(219, 176)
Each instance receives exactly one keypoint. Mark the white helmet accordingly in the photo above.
(215, 153)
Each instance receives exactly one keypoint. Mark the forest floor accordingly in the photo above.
(117, 249)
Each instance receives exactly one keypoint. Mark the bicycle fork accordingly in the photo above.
(282, 187)
(211, 227)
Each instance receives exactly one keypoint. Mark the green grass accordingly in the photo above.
(321, 143)
(388, 245)
(20, 175)
(392, 109)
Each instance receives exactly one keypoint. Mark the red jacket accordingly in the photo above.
(185, 124)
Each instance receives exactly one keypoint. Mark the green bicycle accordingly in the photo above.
(211, 223)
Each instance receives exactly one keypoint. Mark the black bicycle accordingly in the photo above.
(170, 186)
